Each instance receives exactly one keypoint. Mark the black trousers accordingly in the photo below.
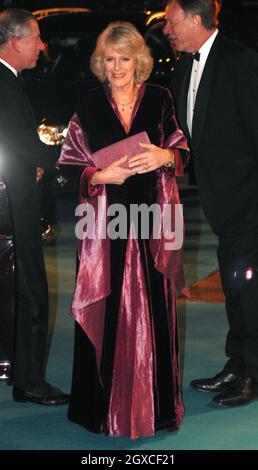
(238, 261)
(32, 311)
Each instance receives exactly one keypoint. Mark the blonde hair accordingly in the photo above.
(124, 38)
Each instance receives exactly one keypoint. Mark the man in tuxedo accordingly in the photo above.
(215, 86)
(21, 153)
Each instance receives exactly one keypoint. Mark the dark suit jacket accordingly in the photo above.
(224, 141)
(21, 151)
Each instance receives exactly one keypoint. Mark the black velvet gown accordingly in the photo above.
(138, 348)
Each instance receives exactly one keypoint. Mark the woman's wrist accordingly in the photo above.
(96, 179)
(171, 161)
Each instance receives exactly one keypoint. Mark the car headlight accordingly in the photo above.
(52, 135)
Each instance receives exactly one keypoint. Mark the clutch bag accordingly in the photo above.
(127, 147)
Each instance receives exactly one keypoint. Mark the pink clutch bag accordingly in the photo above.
(129, 147)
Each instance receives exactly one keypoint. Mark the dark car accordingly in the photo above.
(7, 286)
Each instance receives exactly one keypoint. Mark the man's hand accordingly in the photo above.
(39, 173)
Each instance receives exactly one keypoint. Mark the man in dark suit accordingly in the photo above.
(21, 153)
(215, 87)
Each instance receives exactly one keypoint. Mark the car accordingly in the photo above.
(7, 286)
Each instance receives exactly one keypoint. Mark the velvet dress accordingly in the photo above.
(126, 378)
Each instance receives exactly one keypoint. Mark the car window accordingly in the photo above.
(67, 56)
(69, 42)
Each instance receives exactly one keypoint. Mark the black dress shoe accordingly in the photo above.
(241, 393)
(222, 381)
(53, 399)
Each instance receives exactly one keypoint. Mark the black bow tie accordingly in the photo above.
(196, 56)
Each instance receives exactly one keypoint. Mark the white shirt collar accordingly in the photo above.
(9, 67)
(206, 47)
(196, 75)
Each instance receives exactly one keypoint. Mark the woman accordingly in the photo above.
(126, 375)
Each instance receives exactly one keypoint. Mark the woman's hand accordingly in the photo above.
(39, 173)
(153, 158)
(113, 174)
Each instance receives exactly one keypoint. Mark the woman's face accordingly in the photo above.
(119, 68)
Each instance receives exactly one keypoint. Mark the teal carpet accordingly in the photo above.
(202, 335)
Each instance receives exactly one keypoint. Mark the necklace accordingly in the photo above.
(126, 106)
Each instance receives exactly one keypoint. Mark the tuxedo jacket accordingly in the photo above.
(21, 152)
(224, 141)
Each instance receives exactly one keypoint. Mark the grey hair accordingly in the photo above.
(14, 22)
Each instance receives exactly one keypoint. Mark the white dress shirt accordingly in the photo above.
(9, 67)
(196, 75)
